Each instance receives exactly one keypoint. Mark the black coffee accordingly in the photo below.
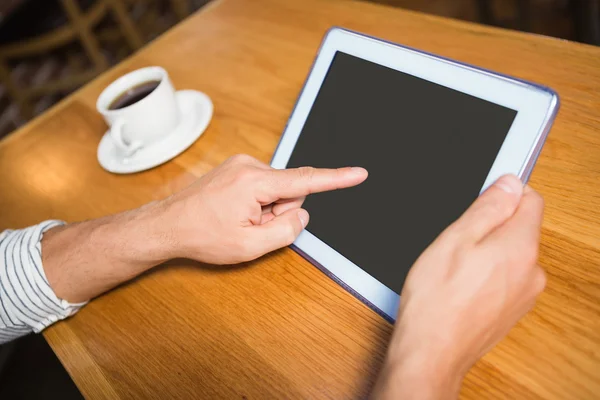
(133, 95)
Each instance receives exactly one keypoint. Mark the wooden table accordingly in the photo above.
(278, 328)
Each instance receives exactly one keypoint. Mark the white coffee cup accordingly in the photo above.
(146, 121)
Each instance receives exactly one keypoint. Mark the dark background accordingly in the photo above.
(428, 150)
(22, 20)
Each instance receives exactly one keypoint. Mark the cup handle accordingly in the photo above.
(116, 133)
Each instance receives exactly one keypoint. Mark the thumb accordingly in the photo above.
(495, 206)
(281, 231)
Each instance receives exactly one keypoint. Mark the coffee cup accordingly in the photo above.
(139, 108)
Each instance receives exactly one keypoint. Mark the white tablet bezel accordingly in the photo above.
(536, 107)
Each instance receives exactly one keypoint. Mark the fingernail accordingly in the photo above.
(358, 170)
(303, 216)
(510, 184)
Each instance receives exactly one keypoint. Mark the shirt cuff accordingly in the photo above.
(67, 309)
(26, 296)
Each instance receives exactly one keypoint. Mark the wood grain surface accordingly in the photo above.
(277, 327)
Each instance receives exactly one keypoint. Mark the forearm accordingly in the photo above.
(84, 260)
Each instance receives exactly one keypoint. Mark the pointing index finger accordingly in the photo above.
(298, 182)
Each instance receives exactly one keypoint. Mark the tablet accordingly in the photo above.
(433, 134)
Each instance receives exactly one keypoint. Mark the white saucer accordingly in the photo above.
(196, 110)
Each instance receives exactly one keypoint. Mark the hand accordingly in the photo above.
(237, 212)
(465, 293)
(244, 209)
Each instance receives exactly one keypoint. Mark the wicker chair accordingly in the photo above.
(78, 29)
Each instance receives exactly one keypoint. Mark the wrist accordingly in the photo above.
(140, 237)
(415, 379)
(415, 368)
(85, 259)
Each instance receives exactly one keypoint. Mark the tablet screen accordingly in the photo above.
(428, 150)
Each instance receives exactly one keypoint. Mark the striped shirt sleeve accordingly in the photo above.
(27, 302)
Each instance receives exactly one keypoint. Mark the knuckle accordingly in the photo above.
(234, 159)
(462, 254)
(273, 179)
(245, 174)
(456, 235)
(451, 234)
(245, 249)
(240, 159)
(306, 173)
(499, 208)
(290, 235)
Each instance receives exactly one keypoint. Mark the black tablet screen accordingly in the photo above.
(428, 150)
